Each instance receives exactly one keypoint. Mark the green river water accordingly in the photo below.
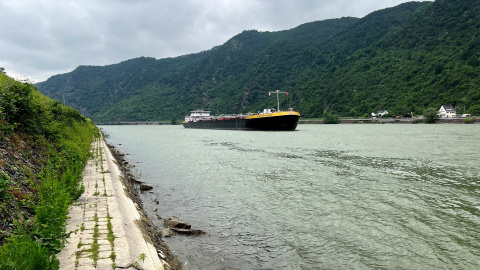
(351, 196)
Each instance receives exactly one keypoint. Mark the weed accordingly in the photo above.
(95, 249)
(113, 256)
(142, 257)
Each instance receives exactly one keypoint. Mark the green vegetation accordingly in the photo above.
(475, 110)
(402, 59)
(44, 147)
(142, 257)
(330, 118)
(95, 248)
(469, 120)
(430, 115)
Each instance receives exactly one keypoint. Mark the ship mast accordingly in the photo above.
(278, 101)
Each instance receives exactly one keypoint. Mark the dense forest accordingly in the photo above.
(44, 147)
(403, 59)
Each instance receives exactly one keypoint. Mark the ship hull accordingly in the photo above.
(285, 122)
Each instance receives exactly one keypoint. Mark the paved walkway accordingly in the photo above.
(104, 223)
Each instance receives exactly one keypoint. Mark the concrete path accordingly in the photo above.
(104, 222)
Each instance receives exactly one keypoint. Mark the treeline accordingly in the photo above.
(44, 147)
(402, 59)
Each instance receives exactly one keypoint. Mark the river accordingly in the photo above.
(350, 196)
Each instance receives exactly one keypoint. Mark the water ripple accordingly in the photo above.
(325, 197)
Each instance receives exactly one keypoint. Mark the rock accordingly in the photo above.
(188, 231)
(160, 254)
(174, 225)
(155, 201)
(174, 222)
(144, 187)
(173, 218)
(159, 217)
(167, 232)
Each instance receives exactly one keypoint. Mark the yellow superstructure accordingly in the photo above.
(274, 114)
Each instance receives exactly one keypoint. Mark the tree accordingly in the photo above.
(474, 110)
(330, 118)
(430, 115)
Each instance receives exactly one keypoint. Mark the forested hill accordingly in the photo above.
(402, 59)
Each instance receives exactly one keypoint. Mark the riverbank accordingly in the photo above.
(390, 121)
(109, 227)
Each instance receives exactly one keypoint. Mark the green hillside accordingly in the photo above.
(402, 59)
(44, 147)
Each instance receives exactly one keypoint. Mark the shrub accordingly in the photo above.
(430, 115)
(330, 118)
(63, 137)
(22, 253)
(416, 121)
(469, 120)
(4, 186)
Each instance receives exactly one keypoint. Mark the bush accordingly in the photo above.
(430, 115)
(330, 118)
(416, 121)
(22, 253)
(63, 137)
(469, 120)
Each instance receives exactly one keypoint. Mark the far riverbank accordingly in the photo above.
(342, 121)
(389, 121)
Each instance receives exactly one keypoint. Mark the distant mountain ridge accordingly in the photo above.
(402, 59)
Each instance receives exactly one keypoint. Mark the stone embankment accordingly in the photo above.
(109, 228)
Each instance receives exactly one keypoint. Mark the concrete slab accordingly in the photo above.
(105, 201)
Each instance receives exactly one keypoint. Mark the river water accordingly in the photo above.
(322, 197)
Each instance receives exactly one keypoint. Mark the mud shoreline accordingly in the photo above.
(146, 226)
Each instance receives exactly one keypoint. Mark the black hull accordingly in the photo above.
(277, 123)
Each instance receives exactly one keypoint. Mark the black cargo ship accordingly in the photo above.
(267, 120)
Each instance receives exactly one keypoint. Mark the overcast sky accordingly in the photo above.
(42, 38)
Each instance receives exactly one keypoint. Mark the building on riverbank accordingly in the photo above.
(447, 111)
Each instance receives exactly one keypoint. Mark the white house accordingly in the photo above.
(447, 111)
(379, 113)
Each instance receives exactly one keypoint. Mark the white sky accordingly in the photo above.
(42, 38)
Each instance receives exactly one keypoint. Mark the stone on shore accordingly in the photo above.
(174, 222)
(144, 187)
(167, 232)
(188, 231)
(174, 225)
